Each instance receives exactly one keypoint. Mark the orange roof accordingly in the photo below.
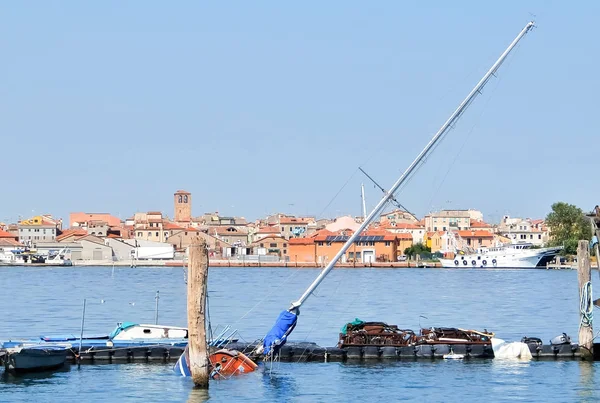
(475, 234)
(10, 242)
(480, 224)
(113, 236)
(268, 230)
(171, 226)
(270, 237)
(404, 235)
(71, 232)
(4, 234)
(301, 241)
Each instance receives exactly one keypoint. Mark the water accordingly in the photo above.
(512, 303)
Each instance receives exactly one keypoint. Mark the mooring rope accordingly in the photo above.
(586, 306)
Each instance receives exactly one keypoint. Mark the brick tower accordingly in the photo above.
(183, 206)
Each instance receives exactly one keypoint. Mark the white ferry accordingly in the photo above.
(520, 256)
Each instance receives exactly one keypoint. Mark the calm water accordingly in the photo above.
(512, 303)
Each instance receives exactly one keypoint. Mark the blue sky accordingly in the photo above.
(262, 107)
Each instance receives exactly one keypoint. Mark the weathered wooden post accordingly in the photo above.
(584, 276)
(196, 309)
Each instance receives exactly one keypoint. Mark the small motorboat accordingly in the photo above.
(29, 357)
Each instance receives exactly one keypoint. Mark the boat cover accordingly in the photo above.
(355, 322)
(277, 336)
(594, 241)
(121, 327)
(514, 350)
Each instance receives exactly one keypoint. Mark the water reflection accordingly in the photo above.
(587, 387)
(198, 395)
(34, 378)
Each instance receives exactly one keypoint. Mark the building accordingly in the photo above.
(294, 227)
(476, 239)
(274, 245)
(237, 236)
(38, 229)
(9, 241)
(433, 240)
(416, 231)
(183, 207)
(302, 250)
(370, 246)
(149, 227)
(451, 220)
(398, 216)
(82, 219)
(526, 230)
(266, 231)
(343, 223)
(92, 248)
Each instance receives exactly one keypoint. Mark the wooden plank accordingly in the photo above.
(196, 310)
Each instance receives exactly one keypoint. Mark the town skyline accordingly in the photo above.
(270, 113)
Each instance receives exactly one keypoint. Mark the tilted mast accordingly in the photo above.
(287, 320)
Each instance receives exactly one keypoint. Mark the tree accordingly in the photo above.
(567, 225)
(417, 249)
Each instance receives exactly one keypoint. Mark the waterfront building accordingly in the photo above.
(38, 229)
(447, 220)
(9, 240)
(416, 230)
(274, 245)
(524, 230)
(343, 223)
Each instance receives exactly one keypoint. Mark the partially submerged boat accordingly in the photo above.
(224, 363)
(29, 357)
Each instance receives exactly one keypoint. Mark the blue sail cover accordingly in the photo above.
(277, 336)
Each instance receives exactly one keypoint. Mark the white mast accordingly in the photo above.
(451, 120)
(364, 204)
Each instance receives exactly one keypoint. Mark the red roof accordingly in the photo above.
(388, 225)
(268, 230)
(475, 234)
(171, 226)
(4, 234)
(293, 220)
(301, 241)
(480, 224)
(10, 242)
(71, 232)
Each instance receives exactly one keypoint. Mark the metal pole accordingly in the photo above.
(81, 334)
(452, 119)
(156, 309)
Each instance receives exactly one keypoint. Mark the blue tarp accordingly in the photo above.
(277, 336)
(120, 328)
(594, 241)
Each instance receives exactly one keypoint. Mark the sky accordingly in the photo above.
(264, 107)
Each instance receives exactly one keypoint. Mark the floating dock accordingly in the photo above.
(312, 352)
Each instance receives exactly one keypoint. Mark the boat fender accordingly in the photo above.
(456, 262)
(473, 262)
(484, 262)
(494, 262)
(465, 262)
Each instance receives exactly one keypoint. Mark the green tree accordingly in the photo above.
(417, 249)
(567, 225)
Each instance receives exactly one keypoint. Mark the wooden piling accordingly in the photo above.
(196, 310)
(584, 275)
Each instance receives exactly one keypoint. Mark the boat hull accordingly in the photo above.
(36, 359)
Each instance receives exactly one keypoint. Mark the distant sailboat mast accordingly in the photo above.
(286, 321)
(364, 204)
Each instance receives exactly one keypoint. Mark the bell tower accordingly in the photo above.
(183, 206)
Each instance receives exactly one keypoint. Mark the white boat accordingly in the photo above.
(28, 357)
(519, 256)
(287, 320)
(11, 257)
(134, 331)
(59, 259)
